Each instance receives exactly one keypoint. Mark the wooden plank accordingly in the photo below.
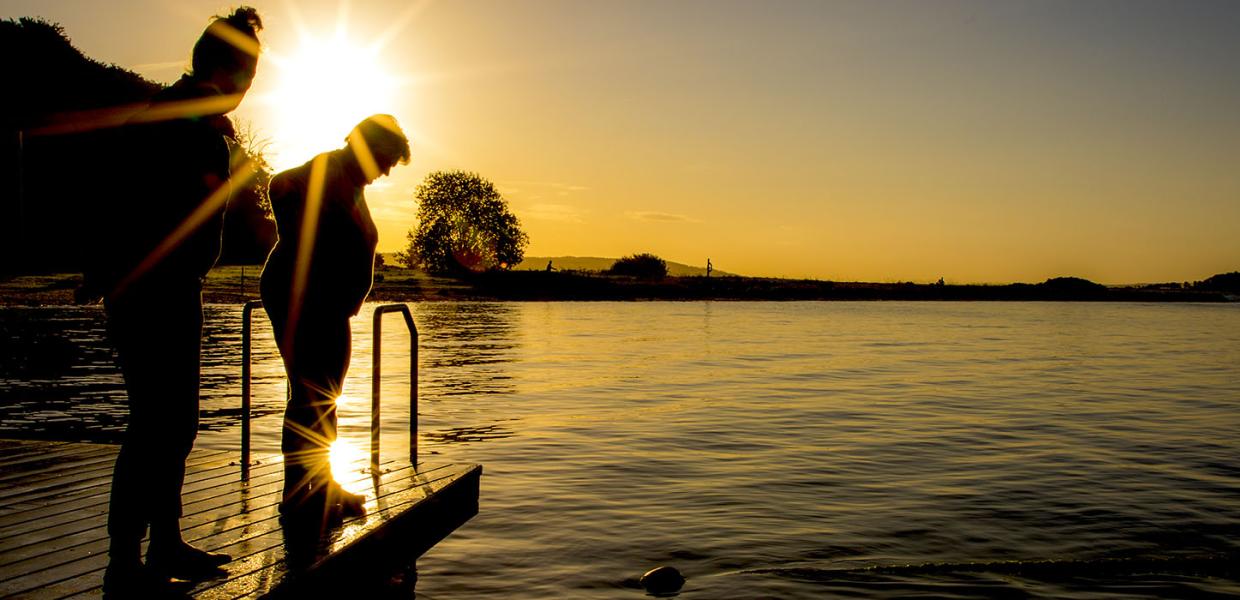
(38, 537)
(20, 462)
(50, 492)
(47, 491)
(222, 478)
(54, 544)
(201, 507)
(359, 546)
(63, 452)
(10, 447)
(253, 536)
(35, 542)
(53, 468)
(24, 512)
(85, 529)
(70, 549)
(68, 509)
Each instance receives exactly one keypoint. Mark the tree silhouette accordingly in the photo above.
(65, 160)
(463, 225)
(56, 159)
(1223, 282)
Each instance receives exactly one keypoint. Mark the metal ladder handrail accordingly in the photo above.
(375, 380)
(246, 350)
(246, 330)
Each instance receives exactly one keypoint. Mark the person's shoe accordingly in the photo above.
(348, 503)
(186, 562)
(307, 510)
(326, 500)
(125, 581)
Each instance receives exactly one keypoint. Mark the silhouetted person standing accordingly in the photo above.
(314, 281)
(161, 229)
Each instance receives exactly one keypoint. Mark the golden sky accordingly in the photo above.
(977, 141)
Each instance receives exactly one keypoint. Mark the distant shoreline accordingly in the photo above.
(235, 284)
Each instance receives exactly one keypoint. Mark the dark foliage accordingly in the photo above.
(642, 266)
(1223, 282)
(249, 227)
(1072, 284)
(63, 157)
(50, 182)
(46, 77)
(464, 226)
(567, 285)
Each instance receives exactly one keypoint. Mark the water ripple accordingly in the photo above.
(790, 450)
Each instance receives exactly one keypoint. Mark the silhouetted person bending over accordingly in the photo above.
(161, 229)
(315, 279)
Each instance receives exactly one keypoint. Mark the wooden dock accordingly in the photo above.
(53, 514)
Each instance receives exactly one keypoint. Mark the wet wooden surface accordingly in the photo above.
(53, 515)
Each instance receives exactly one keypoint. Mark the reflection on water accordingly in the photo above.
(59, 380)
(461, 435)
(465, 346)
(53, 363)
(787, 450)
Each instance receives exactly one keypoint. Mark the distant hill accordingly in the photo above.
(594, 263)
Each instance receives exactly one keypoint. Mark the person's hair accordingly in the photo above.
(229, 44)
(383, 137)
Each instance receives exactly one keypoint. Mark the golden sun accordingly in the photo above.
(322, 91)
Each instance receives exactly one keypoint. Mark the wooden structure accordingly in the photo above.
(53, 513)
(54, 504)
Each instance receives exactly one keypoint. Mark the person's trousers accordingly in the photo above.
(316, 357)
(157, 335)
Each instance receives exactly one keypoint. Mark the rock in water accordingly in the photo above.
(662, 580)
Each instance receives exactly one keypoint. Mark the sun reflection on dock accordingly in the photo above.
(348, 457)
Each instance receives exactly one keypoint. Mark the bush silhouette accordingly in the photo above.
(1072, 284)
(642, 266)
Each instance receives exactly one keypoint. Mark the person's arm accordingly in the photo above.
(201, 191)
(346, 222)
(360, 256)
(370, 238)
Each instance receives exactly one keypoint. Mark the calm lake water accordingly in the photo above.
(767, 450)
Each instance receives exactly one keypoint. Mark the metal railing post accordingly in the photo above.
(413, 390)
(375, 383)
(375, 368)
(375, 375)
(246, 331)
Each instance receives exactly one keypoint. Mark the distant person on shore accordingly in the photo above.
(314, 281)
(161, 229)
